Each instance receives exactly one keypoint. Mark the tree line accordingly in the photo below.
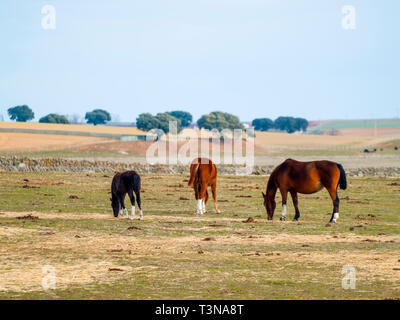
(288, 124)
(146, 121)
(24, 113)
(214, 120)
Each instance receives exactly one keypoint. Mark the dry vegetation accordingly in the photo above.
(275, 139)
(64, 220)
(38, 142)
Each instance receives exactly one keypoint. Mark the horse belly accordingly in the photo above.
(310, 187)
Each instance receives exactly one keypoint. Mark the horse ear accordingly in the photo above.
(263, 194)
(110, 199)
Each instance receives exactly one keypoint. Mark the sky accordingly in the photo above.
(252, 58)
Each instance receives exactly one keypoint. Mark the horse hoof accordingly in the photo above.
(296, 219)
(283, 219)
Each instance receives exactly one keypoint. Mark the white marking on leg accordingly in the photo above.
(203, 207)
(126, 213)
(284, 211)
(133, 213)
(140, 214)
(199, 207)
(335, 216)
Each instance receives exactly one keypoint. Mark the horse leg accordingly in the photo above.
(123, 209)
(139, 203)
(296, 205)
(205, 202)
(203, 195)
(196, 188)
(284, 199)
(335, 201)
(214, 194)
(132, 198)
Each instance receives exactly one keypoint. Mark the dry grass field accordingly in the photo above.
(370, 132)
(298, 141)
(17, 142)
(71, 128)
(266, 143)
(64, 220)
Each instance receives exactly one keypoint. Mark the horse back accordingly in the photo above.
(307, 177)
(202, 170)
(122, 182)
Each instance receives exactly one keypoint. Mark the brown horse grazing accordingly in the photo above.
(304, 177)
(203, 173)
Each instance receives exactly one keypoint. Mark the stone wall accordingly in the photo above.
(23, 164)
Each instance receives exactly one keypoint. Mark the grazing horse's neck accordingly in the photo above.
(271, 188)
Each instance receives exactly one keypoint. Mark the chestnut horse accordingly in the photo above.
(203, 173)
(304, 177)
(127, 182)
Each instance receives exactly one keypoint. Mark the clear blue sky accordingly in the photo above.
(254, 58)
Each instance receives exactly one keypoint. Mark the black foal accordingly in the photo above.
(127, 182)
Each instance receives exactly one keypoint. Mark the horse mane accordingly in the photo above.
(271, 185)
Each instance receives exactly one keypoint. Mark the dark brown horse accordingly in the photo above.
(304, 177)
(127, 182)
(203, 173)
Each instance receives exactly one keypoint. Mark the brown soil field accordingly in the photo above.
(39, 142)
(370, 132)
(71, 128)
(275, 139)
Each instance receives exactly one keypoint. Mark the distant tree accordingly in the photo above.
(54, 118)
(97, 116)
(219, 120)
(285, 124)
(164, 119)
(185, 117)
(301, 124)
(21, 113)
(291, 124)
(262, 124)
(146, 122)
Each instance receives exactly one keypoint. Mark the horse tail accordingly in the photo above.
(342, 178)
(114, 198)
(193, 173)
(136, 182)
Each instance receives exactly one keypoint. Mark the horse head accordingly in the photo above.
(269, 204)
(115, 206)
